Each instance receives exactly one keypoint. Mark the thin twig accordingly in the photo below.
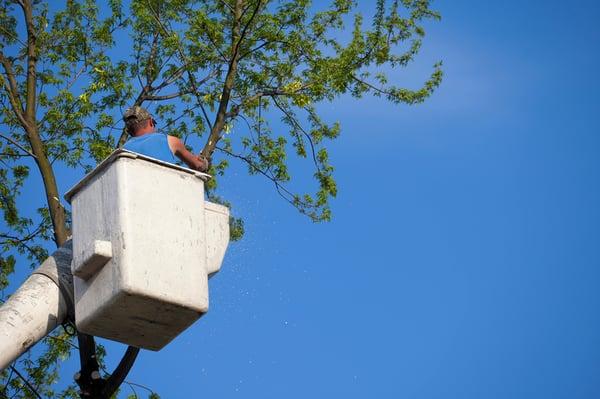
(132, 390)
(31, 388)
(297, 124)
(31, 154)
(140, 386)
(185, 61)
(167, 96)
(281, 190)
(17, 240)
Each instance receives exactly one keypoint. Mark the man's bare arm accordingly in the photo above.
(191, 160)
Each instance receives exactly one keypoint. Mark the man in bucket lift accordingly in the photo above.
(146, 141)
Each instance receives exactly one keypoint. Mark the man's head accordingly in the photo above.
(138, 120)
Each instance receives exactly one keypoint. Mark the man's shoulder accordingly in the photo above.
(174, 142)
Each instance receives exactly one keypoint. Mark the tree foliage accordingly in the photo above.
(242, 80)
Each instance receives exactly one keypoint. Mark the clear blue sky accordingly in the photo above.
(463, 260)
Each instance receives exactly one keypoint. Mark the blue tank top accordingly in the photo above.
(154, 145)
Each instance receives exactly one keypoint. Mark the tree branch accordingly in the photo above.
(264, 93)
(244, 55)
(297, 124)
(88, 379)
(165, 96)
(281, 190)
(192, 79)
(227, 5)
(57, 212)
(11, 88)
(18, 240)
(370, 86)
(150, 74)
(237, 38)
(31, 388)
(140, 386)
(31, 62)
(87, 345)
(19, 146)
(173, 78)
(118, 376)
(209, 36)
(15, 37)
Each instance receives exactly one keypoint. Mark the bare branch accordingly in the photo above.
(247, 25)
(237, 38)
(281, 190)
(207, 31)
(250, 128)
(191, 77)
(137, 64)
(370, 86)
(264, 93)
(31, 388)
(9, 379)
(117, 377)
(19, 146)
(165, 96)
(227, 5)
(183, 114)
(297, 124)
(12, 36)
(18, 240)
(244, 55)
(135, 395)
(30, 96)
(172, 78)
(151, 59)
(140, 386)
(88, 361)
(216, 47)
(76, 76)
(205, 114)
(12, 90)
(13, 155)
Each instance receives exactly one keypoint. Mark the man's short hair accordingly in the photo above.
(135, 118)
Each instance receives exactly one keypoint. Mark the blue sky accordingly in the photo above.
(463, 259)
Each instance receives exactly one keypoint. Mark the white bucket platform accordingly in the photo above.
(144, 244)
